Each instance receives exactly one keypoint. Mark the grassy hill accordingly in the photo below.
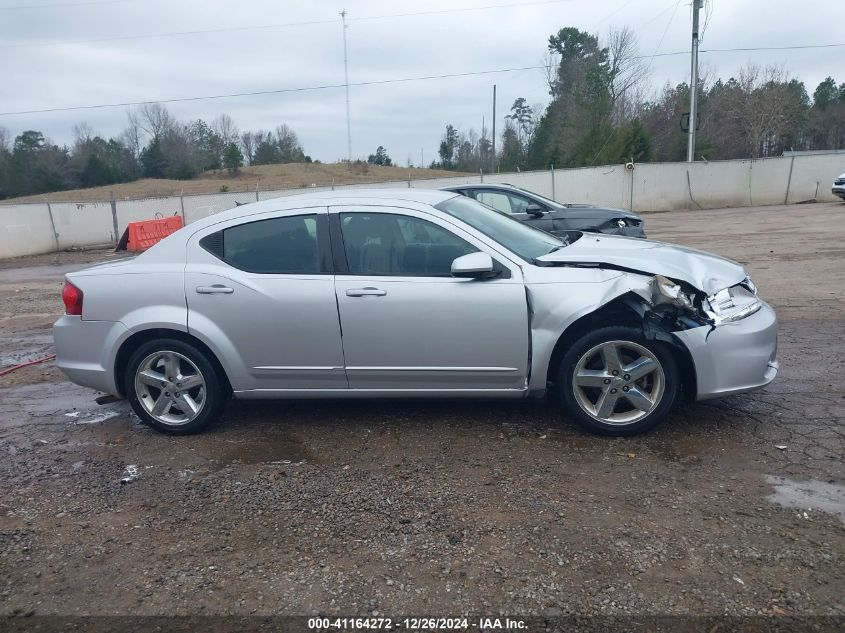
(289, 176)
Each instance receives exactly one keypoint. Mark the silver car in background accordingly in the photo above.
(411, 293)
(838, 188)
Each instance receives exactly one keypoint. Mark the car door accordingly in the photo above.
(408, 325)
(260, 293)
(515, 204)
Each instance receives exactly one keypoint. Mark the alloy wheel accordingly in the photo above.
(170, 387)
(618, 382)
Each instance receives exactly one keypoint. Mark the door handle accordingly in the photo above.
(365, 292)
(216, 289)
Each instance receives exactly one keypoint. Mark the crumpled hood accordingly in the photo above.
(705, 271)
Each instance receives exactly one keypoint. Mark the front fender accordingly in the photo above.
(556, 306)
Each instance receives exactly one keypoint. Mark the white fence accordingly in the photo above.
(30, 229)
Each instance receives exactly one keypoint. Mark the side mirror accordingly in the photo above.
(534, 211)
(473, 266)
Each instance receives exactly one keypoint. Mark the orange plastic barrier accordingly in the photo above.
(139, 236)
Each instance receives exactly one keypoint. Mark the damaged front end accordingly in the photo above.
(726, 360)
(675, 305)
(703, 305)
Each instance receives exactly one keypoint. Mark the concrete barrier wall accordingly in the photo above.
(27, 229)
(198, 207)
(607, 186)
(146, 209)
(813, 178)
(82, 223)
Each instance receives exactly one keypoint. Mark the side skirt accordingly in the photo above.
(319, 394)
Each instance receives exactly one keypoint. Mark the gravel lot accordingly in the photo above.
(441, 508)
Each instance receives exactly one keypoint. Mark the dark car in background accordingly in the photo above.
(550, 216)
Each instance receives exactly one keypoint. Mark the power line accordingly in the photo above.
(398, 80)
(145, 36)
(271, 92)
(769, 48)
(657, 16)
(618, 9)
(265, 27)
(665, 31)
(650, 60)
(21, 7)
(459, 10)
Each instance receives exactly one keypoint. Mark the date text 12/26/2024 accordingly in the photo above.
(417, 624)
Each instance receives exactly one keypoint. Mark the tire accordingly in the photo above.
(181, 380)
(642, 400)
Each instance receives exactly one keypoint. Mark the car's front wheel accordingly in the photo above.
(614, 381)
(173, 386)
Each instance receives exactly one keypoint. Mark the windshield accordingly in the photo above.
(548, 201)
(522, 239)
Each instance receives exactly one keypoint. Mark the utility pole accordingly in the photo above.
(346, 82)
(493, 167)
(693, 86)
(483, 138)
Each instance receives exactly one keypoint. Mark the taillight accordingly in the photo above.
(72, 297)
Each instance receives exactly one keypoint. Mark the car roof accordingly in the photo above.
(171, 246)
(426, 196)
(385, 197)
(483, 185)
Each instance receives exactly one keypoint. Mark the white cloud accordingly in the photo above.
(403, 117)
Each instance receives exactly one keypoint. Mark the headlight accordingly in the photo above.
(667, 291)
(734, 303)
(748, 284)
(624, 222)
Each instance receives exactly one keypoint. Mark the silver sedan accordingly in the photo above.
(412, 293)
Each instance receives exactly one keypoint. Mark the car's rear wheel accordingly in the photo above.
(173, 386)
(614, 381)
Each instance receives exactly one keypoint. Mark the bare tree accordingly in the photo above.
(5, 138)
(249, 141)
(82, 133)
(156, 120)
(629, 72)
(224, 126)
(764, 104)
(133, 136)
(549, 65)
(290, 151)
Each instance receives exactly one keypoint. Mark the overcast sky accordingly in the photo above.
(404, 117)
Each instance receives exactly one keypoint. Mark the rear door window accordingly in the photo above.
(273, 246)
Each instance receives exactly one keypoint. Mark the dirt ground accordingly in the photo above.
(733, 507)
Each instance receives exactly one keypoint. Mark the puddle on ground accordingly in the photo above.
(261, 450)
(808, 495)
(681, 447)
(16, 349)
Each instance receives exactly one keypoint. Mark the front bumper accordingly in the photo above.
(838, 191)
(85, 351)
(734, 357)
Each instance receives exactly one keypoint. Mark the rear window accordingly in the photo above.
(274, 246)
